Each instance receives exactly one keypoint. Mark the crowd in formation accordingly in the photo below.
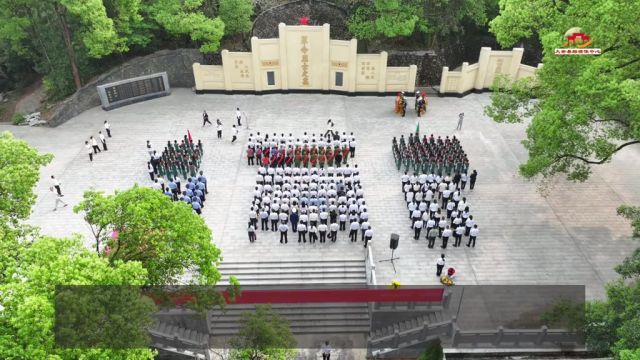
(437, 206)
(176, 160)
(315, 150)
(315, 202)
(430, 154)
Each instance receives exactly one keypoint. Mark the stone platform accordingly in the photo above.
(573, 236)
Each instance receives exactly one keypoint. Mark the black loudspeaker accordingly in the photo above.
(393, 243)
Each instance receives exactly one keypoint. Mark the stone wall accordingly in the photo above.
(429, 64)
(177, 63)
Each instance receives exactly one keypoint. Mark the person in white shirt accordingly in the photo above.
(107, 127)
(239, 116)
(235, 134)
(322, 230)
(368, 235)
(334, 231)
(326, 349)
(405, 181)
(56, 185)
(352, 147)
(302, 232)
(103, 140)
(440, 264)
(58, 199)
(415, 216)
(458, 235)
(417, 227)
(473, 234)
(446, 234)
(94, 145)
(313, 234)
(469, 224)
(219, 128)
(353, 233)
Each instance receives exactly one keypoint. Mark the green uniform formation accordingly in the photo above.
(430, 155)
(181, 159)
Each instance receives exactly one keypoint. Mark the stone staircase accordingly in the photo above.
(304, 319)
(179, 342)
(401, 326)
(295, 272)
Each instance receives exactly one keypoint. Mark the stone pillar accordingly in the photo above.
(382, 72)
(542, 335)
(197, 76)
(516, 59)
(443, 80)
(411, 85)
(282, 42)
(483, 67)
(255, 60)
(326, 53)
(499, 336)
(463, 79)
(227, 67)
(352, 66)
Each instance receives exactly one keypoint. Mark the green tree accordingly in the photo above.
(236, 15)
(20, 164)
(386, 18)
(630, 267)
(587, 107)
(167, 237)
(187, 18)
(264, 335)
(29, 292)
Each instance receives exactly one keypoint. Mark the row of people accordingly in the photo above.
(91, 145)
(314, 201)
(176, 159)
(430, 154)
(194, 193)
(439, 207)
(327, 139)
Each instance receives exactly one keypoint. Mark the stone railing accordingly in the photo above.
(415, 306)
(516, 338)
(409, 337)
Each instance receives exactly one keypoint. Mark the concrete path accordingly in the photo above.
(571, 237)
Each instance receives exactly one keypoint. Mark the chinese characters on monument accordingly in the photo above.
(304, 40)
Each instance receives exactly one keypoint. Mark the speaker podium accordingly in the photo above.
(393, 244)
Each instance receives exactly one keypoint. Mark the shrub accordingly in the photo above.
(18, 118)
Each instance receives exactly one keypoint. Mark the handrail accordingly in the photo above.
(370, 266)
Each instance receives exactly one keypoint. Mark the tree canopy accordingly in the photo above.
(29, 291)
(264, 334)
(236, 15)
(586, 107)
(20, 164)
(167, 237)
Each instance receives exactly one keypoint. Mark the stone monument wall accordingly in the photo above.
(177, 63)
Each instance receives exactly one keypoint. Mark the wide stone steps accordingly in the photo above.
(430, 318)
(169, 331)
(295, 272)
(324, 318)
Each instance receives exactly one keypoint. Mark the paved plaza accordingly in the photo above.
(573, 236)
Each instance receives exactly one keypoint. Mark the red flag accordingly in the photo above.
(189, 136)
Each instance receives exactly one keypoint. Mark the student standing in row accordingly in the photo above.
(107, 127)
(440, 264)
(103, 140)
(252, 232)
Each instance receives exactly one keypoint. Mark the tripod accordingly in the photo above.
(391, 260)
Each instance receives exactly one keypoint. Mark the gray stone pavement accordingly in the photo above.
(571, 237)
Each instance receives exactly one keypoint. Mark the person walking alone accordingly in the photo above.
(103, 140)
(239, 116)
(439, 265)
(205, 118)
(235, 134)
(326, 351)
(219, 128)
(56, 185)
(460, 120)
(472, 179)
(58, 199)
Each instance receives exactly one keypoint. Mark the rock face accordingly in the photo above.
(319, 12)
(177, 63)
